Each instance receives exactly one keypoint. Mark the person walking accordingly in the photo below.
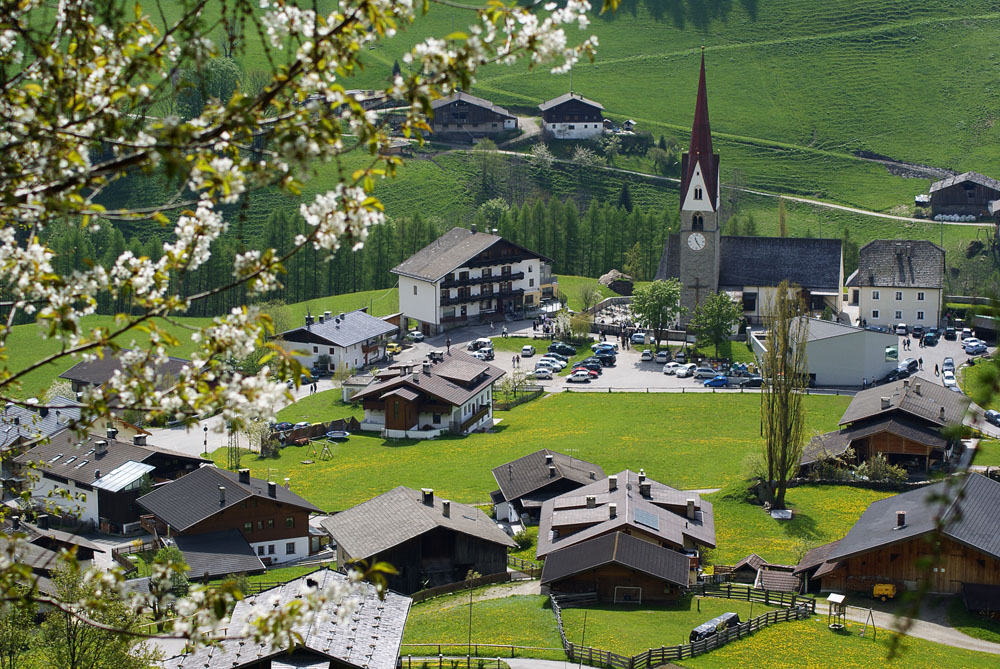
(936, 369)
(921, 361)
(864, 383)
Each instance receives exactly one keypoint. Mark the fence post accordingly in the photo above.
(767, 597)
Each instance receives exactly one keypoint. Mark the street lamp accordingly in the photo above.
(205, 428)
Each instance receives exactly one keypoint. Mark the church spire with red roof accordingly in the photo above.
(700, 149)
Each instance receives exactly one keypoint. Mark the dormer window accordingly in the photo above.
(697, 222)
(698, 195)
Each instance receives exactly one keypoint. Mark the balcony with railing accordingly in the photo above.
(476, 297)
(474, 280)
(476, 417)
(499, 260)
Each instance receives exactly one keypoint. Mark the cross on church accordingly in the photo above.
(697, 290)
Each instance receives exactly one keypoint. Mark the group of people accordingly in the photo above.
(515, 361)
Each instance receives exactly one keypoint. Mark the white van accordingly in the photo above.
(902, 330)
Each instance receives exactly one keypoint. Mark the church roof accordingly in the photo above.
(700, 147)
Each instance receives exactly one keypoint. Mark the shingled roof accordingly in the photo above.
(969, 518)
(662, 514)
(621, 549)
(217, 554)
(531, 472)
(899, 263)
(815, 557)
(99, 371)
(449, 252)
(916, 396)
(472, 100)
(778, 580)
(566, 97)
(195, 496)
(974, 177)
(345, 329)
(369, 638)
(455, 379)
(21, 425)
(399, 515)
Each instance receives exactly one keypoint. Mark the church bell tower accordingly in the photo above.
(699, 234)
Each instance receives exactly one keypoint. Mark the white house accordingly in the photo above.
(351, 338)
(841, 355)
(898, 281)
(572, 116)
(448, 392)
(467, 276)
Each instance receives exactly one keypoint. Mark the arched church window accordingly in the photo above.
(697, 222)
(697, 194)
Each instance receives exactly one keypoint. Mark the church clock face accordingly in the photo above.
(696, 241)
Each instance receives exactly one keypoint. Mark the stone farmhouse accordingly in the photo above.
(898, 281)
(749, 269)
(465, 276)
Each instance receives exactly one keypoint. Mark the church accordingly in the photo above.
(749, 269)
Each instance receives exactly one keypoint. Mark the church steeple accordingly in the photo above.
(700, 151)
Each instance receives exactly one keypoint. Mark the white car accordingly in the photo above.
(972, 340)
(546, 364)
(540, 373)
(647, 356)
(902, 330)
(559, 364)
(527, 351)
(662, 357)
(686, 370)
(672, 367)
(417, 335)
(579, 376)
(948, 379)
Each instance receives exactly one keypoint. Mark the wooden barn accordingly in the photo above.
(572, 116)
(895, 536)
(619, 568)
(965, 194)
(430, 541)
(528, 482)
(467, 116)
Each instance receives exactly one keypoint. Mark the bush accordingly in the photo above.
(878, 468)
(523, 540)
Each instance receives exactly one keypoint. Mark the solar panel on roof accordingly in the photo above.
(646, 518)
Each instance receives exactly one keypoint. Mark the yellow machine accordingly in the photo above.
(884, 591)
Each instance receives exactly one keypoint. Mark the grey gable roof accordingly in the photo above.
(21, 425)
(566, 97)
(617, 548)
(899, 263)
(218, 554)
(437, 384)
(399, 515)
(471, 99)
(368, 639)
(767, 261)
(449, 251)
(529, 473)
(904, 397)
(970, 520)
(99, 371)
(195, 496)
(352, 328)
(974, 177)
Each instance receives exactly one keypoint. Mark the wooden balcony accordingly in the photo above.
(474, 418)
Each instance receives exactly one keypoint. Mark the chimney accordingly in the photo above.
(309, 320)
(43, 412)
(941, 415)
(100, 447)
(593, 475)
(612, 511)
(552, 471)
(690, 508)
(343, 316)
(42, 521)
(428, 496)
(642, 475)
(612, 483)
(916, 387)
(97, 474)
(644, 489)
(446, 508)
(885, 403)
(322, 318)
(272, 489)
(112, 433)
(548, 458)
(473, 228)
(328, 314)
(222, 495)
(900, 519)
(16, 523)
(427, 368)
(906, 383)
(245, 476)
(591, 501)
(139, 440)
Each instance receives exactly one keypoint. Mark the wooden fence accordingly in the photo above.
(798, 608)
(524, 394)
(462, 648)
(532, 569)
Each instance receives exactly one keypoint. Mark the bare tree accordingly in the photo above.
(785, 375)
(590, 296)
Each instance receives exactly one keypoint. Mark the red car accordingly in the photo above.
(592, 373)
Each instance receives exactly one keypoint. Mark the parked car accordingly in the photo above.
(948, 379)
(910, 364)
(482, 342)
(393, 348)
(488, 353)
(901, 329)
(558, 364)
(647, 356)
(671, 367)
(717, 381)
(604, 344)
(638, 338)
(662, 357)
(681, 356)
(948, 365)
(557, 356)
(966, 333)
(562, 348)
(579, 376)
(590, 372)
(547, 364)
(304, 423)
(540, 373)
(527, 351)
(714, 626)
(686, 370)
(977, 348)
(917, 330)
(606, 358)
(704, 373)
(416, 335)
(930, 339)
(591, 365)
(479, 355)
(878, 328)
(282, 426)
(992, 417)
(950, 334)
(970, 340)
(752, 382)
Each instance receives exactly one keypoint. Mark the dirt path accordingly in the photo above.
(931, 626)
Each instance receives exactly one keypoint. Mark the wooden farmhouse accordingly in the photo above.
(906, 421)
(631, 503)
(530, 481)
(572, 116)
(465, 116)
(369, 639)
(619, 568)
(430, 541)
(244, 522)
(968, 194)
(895, 541)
